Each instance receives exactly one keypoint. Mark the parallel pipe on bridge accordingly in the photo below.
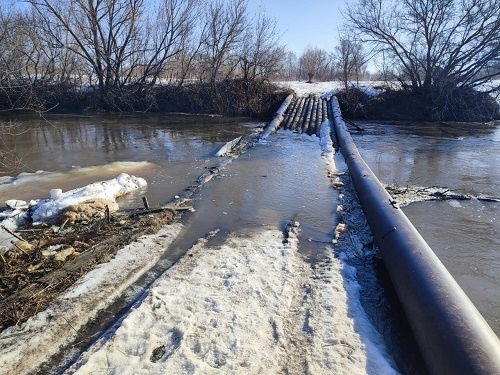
(452, 335)
(278, 117)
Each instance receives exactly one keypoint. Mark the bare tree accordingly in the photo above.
(10, 66)
(222, 34)
(260, 56)
(125, 48)
(27, 63)
(289, 67)
(435, 43)
(349, 59)
(102, 33)
(167, 38)
(121, 44)
(316, 63)
(385, 69)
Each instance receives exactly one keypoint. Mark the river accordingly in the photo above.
(464, 158)
(170, 152)
(284, 179)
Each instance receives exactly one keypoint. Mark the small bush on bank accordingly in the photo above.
(456, 104)
(352, 102)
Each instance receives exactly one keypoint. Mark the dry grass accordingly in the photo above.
(30, 278)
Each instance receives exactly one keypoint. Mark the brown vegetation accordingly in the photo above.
(258, 99)
(45, 261)
(459, 104)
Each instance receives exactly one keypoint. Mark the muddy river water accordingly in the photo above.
(285, 179)
(463, 158)
(280, 179)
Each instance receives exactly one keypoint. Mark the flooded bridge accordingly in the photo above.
(451, 333)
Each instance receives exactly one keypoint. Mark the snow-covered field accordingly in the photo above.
(329, 87)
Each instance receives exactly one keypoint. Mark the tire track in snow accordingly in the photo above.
(251, 305)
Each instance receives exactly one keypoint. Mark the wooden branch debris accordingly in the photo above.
(352, 123)
(49, 259)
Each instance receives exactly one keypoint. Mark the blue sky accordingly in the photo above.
(304, 22)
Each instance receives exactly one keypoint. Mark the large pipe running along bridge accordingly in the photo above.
(452, 335)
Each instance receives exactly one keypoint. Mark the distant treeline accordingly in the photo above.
(218, 56)
(137, 55)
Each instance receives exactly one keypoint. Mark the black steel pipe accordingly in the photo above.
(451, 333)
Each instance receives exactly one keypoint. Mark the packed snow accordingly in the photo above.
(108, 190)
(249, 306)
(43, 210)
(48, 208)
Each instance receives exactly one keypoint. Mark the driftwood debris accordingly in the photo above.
(53, 259)
(352, 123)
(87, 211)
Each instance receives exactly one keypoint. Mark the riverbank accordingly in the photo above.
(378, 100)
(386, 101)
(392, 104)
(235, 97)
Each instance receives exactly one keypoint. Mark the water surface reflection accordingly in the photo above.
(76, 150)
(464, 235)
(462, 157)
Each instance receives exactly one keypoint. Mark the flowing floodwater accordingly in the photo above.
(170, 152)
(275, 181)
(463, 234)
(284, 180)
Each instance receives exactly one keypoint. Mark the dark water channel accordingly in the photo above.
(461, 157)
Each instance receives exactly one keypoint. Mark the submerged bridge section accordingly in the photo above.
(452, 335)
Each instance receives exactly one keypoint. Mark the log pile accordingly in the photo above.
(306, 114)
